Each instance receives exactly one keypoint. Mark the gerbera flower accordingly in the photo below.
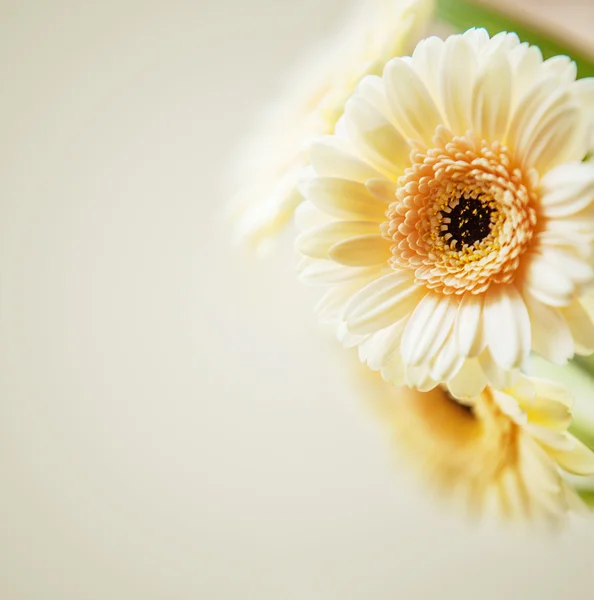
(452, 216)
(270, 162)
(502, 451)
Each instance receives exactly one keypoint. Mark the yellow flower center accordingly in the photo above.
(463, 216)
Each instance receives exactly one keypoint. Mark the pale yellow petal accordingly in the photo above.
(380, 348)
(344, 199)
(507, 326)
(567, 190)
(469, 381)
(313, 271)
(382, 189)
(578, 459)
(426, 60)
(383, 302)
(547, 282)
(363, 250)
(410, 102)
(317, 242)
(309, 216)
(491, 99)
(376, 138)
(331, 156)
(581, 326)
(458, 73)
(427, 328)
(551, 336)
(558, 138)
(469, 328)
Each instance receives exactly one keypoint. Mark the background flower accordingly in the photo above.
(451, 214)
(269, 163)
(506, 452)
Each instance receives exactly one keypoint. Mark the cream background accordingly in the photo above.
(173, 424)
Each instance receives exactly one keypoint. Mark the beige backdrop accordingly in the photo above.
(173, 424)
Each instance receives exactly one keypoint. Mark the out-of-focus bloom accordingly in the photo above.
(452, 215)
(270, 162)
(502, 451)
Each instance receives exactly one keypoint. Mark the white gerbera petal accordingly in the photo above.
(347, 339)
(382, 302)
(331, 156)
(581, 327)
(469, 381)
(498, 376)
(309, 216)
(420, 378)
(382, 189)
(545, 404)
(344, 199)
(443, 339)
(316, 242)
(562, 67)
(478, 38)
(417, 325)
(551, 335)
(322, 272)
(502, 42)
(550, 284)
(491, 100)
(507, 326)
(426, 60)
(567, 190)
(332, 303)
(530, 102)
(578, 459)
(448, 361)
(375, 137)
(577, 268)
(410, 102)
(379, 349)
(371, 88)
(469, 326)
(556, 116)
(427, 328)
(394, 371)
(527, 63)
(584, 89)
(558, 138)
(361, 251)
(458, 72)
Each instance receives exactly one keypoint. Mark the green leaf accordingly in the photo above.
(587, 496)
(464, 14)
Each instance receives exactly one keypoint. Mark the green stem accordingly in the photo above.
(464, 14)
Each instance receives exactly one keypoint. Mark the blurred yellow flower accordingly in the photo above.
(504, 452)
(270, 162)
